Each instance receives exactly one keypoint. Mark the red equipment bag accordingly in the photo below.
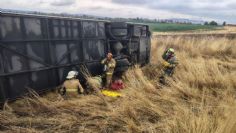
(117, 85)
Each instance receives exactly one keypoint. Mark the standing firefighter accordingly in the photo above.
(169, 63)
(109, 66)
(71, 87)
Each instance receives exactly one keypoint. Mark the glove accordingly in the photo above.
(166, 64)
(62, 91)
(172, 65)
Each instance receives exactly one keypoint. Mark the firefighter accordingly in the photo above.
(109, 66)
(71, 87)
(169, 63)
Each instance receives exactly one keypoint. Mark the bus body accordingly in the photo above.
(37, 51)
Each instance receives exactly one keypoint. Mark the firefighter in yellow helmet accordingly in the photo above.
(109, 66)
(72, 87)
(169, 63)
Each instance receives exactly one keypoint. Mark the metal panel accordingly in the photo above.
(140, 30)
(76, 52)
(75, 29)
(38, 51)
(13, 62)
(10, 28)
(93, 50)
(33, 28)
(119, 29)
(143, 50)
(2, 90)
(56, 28)
(61, 51)
(40, 80)
(1, 62)
(89, 29)
(18, 85)
(101, 29)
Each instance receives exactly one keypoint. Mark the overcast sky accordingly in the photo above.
(219, 10)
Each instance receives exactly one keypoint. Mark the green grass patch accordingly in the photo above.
(167, 27)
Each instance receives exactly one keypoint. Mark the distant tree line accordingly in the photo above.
(214, 23)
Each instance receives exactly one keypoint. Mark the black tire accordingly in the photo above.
(118, 30)
(122, 65)
(119, 25)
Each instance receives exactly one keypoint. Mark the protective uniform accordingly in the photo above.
(109, 66)
(72, 86)
(169, 64)
(170, 61)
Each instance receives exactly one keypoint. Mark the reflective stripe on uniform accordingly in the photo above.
(71, 90)
(109, 73)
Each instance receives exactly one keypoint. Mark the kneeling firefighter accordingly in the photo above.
(72, 87)
(169, 64)
(109, 66)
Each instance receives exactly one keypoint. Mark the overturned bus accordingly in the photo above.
(37, 51)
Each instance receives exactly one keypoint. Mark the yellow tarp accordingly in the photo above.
(111, 93)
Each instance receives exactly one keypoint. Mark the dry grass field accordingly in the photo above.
(200, 98)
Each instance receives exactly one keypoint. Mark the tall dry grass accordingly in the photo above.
(205, 82)
(200, 98)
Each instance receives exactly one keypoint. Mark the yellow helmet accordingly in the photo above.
(171, 50)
